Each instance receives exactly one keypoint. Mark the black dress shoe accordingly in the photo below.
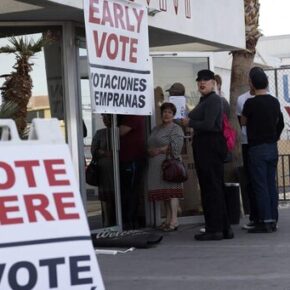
(274, 227)
(209, 236)
(228, 234)
(261, 228)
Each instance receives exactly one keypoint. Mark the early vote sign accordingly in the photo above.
(118, 52)
(45, 240)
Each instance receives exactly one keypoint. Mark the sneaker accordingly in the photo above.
(249, 225)
(274, 227)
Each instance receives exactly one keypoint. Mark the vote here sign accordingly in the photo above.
(118, 54)
(45, 240)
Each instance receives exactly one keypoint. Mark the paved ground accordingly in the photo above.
(250, 261)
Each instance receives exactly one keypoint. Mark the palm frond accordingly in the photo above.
(7, 49)
(8, 109)
(23, 46)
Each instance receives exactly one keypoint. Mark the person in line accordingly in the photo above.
(132, 159)
(164, 139)
(218, 88)
(226, 110)
(178, 90)
(101, 149)
(264, 121)
(250, 195)
(209, 151)
(219, 92)
(159, 99)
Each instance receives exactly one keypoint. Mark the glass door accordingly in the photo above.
(181, 67)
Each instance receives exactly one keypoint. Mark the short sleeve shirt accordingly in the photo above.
(262, 113)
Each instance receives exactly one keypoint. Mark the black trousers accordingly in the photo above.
(209, 151)
(131, 174)
(254, 215)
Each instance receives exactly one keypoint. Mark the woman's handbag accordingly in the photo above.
(229, 133)
(173, 170)
(92, 173)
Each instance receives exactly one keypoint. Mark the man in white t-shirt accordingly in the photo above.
(244, 142)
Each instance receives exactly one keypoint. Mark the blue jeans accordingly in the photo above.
(263, 161)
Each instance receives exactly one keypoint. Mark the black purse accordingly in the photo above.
(93, 172)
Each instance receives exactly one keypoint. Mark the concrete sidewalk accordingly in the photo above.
(250, 261)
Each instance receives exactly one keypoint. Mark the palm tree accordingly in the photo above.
(242, 62)
(17, 87)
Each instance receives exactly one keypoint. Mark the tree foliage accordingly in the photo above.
(17, 87)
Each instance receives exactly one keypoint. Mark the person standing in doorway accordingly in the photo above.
(264, 121)
(219, 92)
(132, 156)
(209, 151)
(250, 195)
(178, 90)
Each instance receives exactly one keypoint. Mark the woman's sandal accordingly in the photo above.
(163, 226)
(171, 228)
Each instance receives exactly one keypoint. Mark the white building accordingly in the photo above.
(201, 27)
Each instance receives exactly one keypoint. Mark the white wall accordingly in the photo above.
(219, 21)
(216, 21)
(276, 46)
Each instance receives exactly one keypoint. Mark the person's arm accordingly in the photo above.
(239, 112)
(280, 125)
(176, 141)
(156, 151)
(245, 113)
(123, 130)
(212, 109)
(243, 120)
(95, 144)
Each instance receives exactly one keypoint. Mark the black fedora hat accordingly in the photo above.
(205, 75)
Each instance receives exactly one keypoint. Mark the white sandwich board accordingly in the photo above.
(45, 239)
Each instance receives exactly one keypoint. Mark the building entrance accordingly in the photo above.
(170, 68)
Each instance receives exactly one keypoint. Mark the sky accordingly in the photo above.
(274, 17)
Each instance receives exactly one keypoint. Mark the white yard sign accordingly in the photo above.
(45, 239)
(118, 53)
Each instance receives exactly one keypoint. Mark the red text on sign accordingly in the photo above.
(116, 15)
(54, 169)
(116, 47)
(37, 207)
